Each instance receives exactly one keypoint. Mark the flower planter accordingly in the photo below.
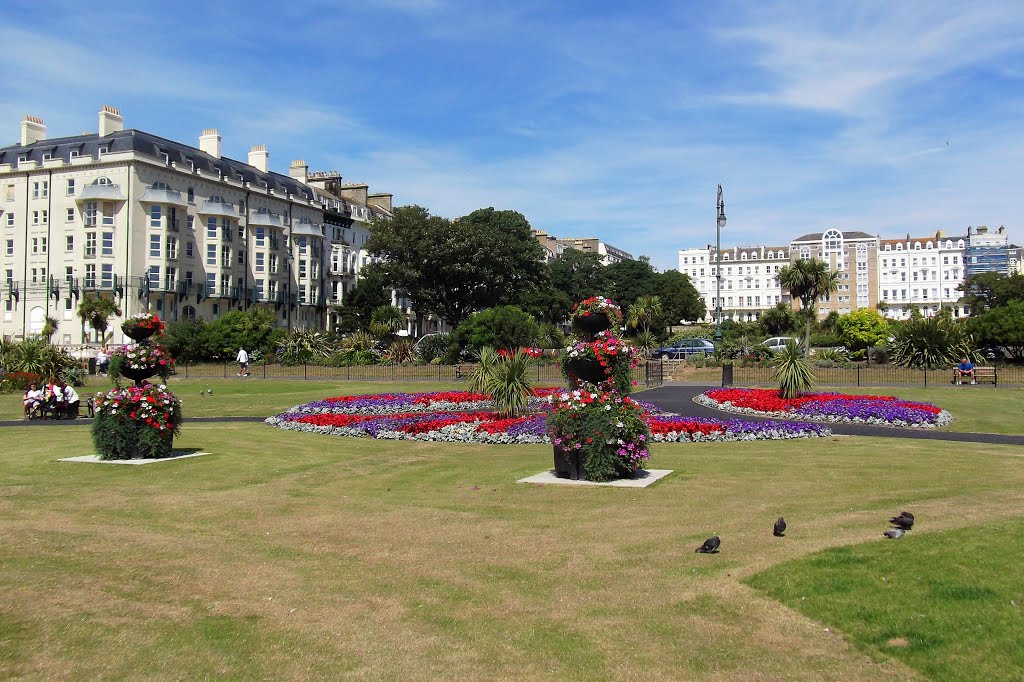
(582, 369)
(139, 333)
(135, 449)
(137, 374)
(570, 464)
(592, 323)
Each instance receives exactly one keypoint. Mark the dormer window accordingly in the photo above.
(106, 181)
(216, 199)
(160, 185)
(917, 246)
(103, 150)
(74, 154)
(47, 156)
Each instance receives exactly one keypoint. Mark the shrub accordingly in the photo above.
(304, 346)
(500, 327)
(792, 371)
(931, 343)
(19, 381)
(432, 346)
(400, 351)
(510, 384)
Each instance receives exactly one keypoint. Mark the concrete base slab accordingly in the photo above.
(95, 459)
(641, 479)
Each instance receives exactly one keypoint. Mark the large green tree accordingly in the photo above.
(370, 293)
(1001, 326)
(578, 274)
(500, 327)
(628, 280)
(988, 290)
(810, 281)
(680, 300)
(454, 267)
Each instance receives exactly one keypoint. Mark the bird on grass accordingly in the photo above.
(894, 533)
(710, 545)
(779, 530)
(202, 391)
(904, 521)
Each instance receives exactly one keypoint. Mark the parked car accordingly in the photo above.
(777, 343)
(684, 349)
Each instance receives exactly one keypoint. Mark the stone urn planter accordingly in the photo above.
(582, 369)
(137, 374)
(140, 333)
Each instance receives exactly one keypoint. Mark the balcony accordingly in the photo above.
(161, 195)
(215, 206)
(100, 192)
(263, 218)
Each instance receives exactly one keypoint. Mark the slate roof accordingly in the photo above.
(850, 234)
(156, 148)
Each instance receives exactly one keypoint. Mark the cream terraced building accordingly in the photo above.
(894, 275)
(169, 228)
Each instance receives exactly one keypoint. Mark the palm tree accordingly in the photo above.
(810, 281)
(96, 313)
(642, 313)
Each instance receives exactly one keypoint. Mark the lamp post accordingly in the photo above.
(718, 265)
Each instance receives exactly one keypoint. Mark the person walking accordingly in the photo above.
(243, 362)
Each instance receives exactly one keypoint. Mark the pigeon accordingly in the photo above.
(907, 514)
(202, 391)
(710, 545)
(903, 522)
(779, 530)
(894, 533)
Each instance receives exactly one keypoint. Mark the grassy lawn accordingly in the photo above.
(950, 604)
(290, 555)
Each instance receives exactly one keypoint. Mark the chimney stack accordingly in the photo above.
(298, 171)
(259, 157)
(209, 142)
(32, 130)
(111, 120)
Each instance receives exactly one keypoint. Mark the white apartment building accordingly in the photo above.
(169, 228)
(894, 275)
(609, 254)
(749, 285)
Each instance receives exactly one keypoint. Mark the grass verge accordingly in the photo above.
(949, 604)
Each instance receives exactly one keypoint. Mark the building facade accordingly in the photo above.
(609, 254)
(895, 276)
(170, 228)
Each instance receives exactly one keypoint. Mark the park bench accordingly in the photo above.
(982, 375)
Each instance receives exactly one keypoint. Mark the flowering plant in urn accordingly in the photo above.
(141, 325)
(615, 357)
(606, 430)
(596, 313)
(136, 422)
(139, 361)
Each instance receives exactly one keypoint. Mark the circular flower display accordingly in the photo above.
(460, 416)
(830, 407)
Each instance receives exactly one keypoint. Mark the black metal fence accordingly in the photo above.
(651, 374)
(874, 375)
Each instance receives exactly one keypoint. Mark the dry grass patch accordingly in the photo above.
(291, 555)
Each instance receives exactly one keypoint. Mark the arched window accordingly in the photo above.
(159, 185)
(102, 181)
(917, 246)
(743, 256)
(899, 247)
(928, 245)
(188, 312)
(216, 199)
(960, 244)
(832, 241)
(771, 255)
(949, 243)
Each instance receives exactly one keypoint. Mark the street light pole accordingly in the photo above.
(720, 223)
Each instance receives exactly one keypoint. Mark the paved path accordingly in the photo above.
(679, 399)
(672, 398)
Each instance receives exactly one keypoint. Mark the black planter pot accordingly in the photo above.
(135, 449)
(137, 374)
(580, 369)
(139, 333)
(592, 323)
(570, 464)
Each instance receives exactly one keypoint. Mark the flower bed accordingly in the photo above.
(829, 407)
(434, 417)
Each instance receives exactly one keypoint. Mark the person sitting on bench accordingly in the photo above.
(965, 369)
(71, 400)
(33, 399)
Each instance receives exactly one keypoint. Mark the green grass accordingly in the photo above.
(290, 555)
(949, 604)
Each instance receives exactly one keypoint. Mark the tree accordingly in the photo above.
(1001, 326)
(453, 268)
(499, 327)
(254, 329)
(778, 321)
(578, 275)
(185, 340)
(628, 280)
(50, 326)
(96, 313)
(385, 321)
(931, 343)
(987, 290)
(680, 300)
(370, 293)
(862, 329)
(809, 280)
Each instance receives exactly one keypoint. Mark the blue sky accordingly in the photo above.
(592, 118)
